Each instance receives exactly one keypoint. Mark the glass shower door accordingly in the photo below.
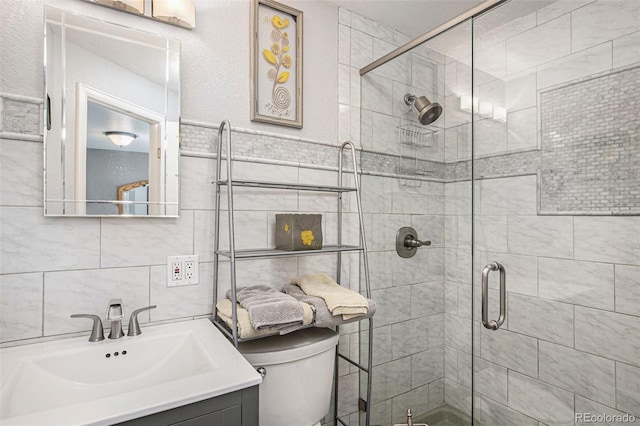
(556, 213)
(420, 329)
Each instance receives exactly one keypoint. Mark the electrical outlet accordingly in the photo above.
(176, 270)
(189, 267)
(182, 270)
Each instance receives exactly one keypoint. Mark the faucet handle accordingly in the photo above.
(134, 326)
(97, 334)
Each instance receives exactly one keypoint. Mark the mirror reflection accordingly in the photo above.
(135, 196)
(113, 100)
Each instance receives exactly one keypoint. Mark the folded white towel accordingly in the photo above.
(340, 300)
(245, 329)
(324, 318)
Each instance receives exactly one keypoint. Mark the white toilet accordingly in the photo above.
(296, 389)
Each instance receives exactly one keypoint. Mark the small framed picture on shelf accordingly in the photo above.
(276, 63)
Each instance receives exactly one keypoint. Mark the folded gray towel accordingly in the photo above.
(268, 307)
(324, 317)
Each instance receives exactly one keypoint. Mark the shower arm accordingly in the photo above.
(409, 99)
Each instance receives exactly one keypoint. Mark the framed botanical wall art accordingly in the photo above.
(276, 63)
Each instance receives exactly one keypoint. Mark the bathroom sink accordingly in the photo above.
(74, 381)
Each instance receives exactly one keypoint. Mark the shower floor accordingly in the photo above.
(445, 415)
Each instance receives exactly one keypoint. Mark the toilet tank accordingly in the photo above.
(296, 390)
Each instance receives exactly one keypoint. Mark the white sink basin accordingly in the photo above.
(73, 381)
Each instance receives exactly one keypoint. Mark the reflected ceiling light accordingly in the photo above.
(500, 114)
(176, 12)
(121, 138)
(131, 6)
(467, 103)
(426, 111)
(485, 109)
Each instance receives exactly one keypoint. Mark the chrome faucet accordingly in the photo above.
(410, 420)
(115, 314)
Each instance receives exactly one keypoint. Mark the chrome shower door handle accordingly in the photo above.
(492, 324)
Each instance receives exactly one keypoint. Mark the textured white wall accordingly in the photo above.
(215, 58)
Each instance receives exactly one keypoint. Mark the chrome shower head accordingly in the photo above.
(427, 112)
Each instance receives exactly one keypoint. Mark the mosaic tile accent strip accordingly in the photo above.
(590, 155)
(592, 170)
(515, 164)
(372, 162)
(458, 171)
(21, 116)
(255, 145)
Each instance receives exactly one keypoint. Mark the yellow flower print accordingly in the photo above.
(277, 55)
(307, 237)
(280, 23)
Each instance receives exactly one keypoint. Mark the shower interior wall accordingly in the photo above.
(408, 347)
(573, 278)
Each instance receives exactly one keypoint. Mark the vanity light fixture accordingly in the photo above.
(121, 138)
(175, 12)
(181, 13)
(131, 6)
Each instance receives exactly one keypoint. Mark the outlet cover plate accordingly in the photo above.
(188, 270)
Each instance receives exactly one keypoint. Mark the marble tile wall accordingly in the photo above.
(571, 326)
(42, 283)
(409, 328)
(408, 347)
(372, 107)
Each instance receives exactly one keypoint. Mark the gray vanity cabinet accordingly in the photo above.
(238, 408)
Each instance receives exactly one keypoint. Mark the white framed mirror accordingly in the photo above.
(112, 119)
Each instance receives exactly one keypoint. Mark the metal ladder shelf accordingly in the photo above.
(232, 254)
(278, 185)
(263, 253)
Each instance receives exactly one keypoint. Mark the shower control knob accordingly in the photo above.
(410, 241)
(407, 242)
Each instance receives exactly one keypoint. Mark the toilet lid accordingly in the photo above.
(289, 347)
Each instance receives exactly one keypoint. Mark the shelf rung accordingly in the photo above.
(352, 362)
(254, 253)
(278, 185)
